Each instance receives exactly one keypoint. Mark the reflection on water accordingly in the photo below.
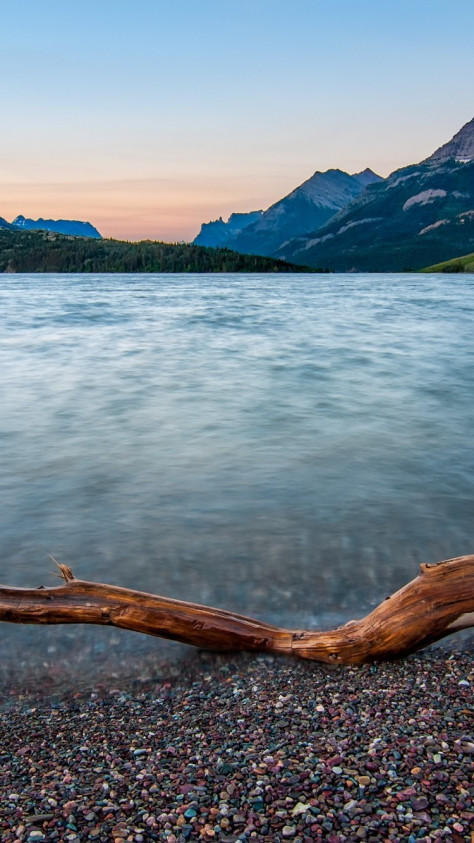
(286, 447)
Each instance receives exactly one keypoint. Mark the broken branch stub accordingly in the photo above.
(438, 602)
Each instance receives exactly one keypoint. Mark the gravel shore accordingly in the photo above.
(236, 748)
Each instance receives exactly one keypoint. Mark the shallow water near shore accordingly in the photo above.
(290, 447)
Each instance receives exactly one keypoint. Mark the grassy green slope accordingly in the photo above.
(41, 251)
(463, 264)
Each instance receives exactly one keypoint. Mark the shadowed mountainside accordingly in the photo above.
(306, 208)
(420, 215)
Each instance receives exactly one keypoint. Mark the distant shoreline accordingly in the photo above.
(43, 252)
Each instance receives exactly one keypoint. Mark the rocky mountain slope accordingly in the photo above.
(304, 209)
(420, 215)
(460, 147)
(218, 233)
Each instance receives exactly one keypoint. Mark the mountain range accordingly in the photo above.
(73, 228)
(305, 209)
(419, 215)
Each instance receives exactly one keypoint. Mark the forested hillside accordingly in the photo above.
(42, 251)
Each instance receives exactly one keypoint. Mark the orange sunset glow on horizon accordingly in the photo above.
(157, 119)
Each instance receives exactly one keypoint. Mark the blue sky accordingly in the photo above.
(150, 117)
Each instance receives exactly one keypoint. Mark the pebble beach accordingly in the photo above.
(243, 747)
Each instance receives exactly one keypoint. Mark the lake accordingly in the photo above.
(290, 447)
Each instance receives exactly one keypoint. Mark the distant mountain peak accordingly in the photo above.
(75, 228)
(460, 147)
(367, 177)
(331, 188)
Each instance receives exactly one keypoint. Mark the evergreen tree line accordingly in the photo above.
(41, 251)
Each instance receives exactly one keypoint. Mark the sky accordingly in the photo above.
(149, 117)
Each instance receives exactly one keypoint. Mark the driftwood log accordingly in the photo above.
(438, 602)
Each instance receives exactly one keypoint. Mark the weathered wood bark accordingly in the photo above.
(438, 602)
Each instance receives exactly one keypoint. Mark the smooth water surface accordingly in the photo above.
(286, 446)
